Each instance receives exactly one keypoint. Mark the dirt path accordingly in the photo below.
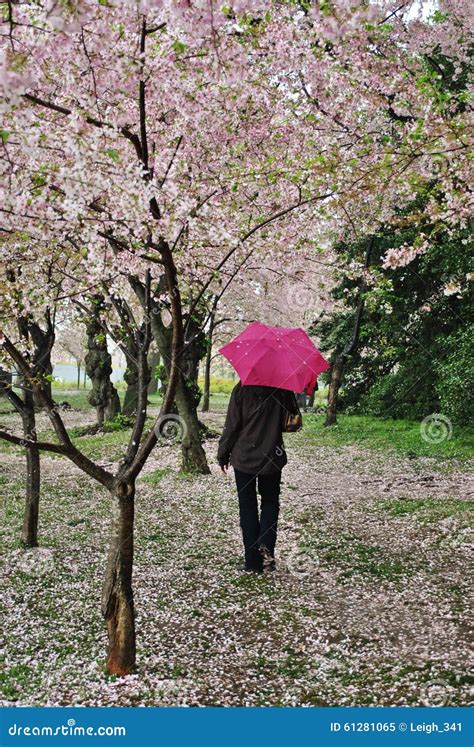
(368, 605)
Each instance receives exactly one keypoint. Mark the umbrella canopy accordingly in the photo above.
(283, 357)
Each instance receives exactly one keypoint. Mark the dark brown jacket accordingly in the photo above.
(252, 440)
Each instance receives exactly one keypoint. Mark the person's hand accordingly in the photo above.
(224, 468)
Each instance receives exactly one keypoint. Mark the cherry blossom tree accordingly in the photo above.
(161, 143)
(77, 184)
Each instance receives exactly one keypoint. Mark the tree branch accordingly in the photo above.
(128, 134)
(76, 456)
(42, 445)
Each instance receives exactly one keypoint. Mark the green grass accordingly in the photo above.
(356, 558)
(77, 398)
(427, 510)
(154, 478)
(108, 446)
(408, 679)
(402, 436)
(348, 556)
(18, 679)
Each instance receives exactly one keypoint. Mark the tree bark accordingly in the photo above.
(117, 595)
(193, 456)
(188, 394)
(130, 401)
(43, 341)
(334, 386)
(104, 396)
(154, 362)
(112, 407)
(206, 394)
(25, 407)
(78, 375)
(208, 359)
(29, 533)
(131, 395)
(42, 344)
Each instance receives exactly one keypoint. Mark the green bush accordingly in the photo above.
(408, 393)
(219, 385)
(455, 377)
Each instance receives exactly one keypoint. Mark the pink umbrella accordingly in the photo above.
(283, 357)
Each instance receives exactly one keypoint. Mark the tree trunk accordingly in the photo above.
(29, 533)
(301, 400)
(334, 386)
(25, 407)
(130, 402)
(208, 359)
(131, 396)
(98, 361)
(207, 380)
(112, 408)
(78, 375)
(117, 595)
(193, 456)
(154, 362)
(188, 395)
(43, 340)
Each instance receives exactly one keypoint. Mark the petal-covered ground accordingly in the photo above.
(368, 605)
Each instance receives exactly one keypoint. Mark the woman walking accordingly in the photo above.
(252, 443)
(272, 363)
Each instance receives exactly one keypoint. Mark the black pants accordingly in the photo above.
(258, 531)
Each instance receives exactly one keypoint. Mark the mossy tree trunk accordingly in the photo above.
(98, 361)
(153, 362)
(43, 338)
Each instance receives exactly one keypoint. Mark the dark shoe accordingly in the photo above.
(268, 559)
(244, 569)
